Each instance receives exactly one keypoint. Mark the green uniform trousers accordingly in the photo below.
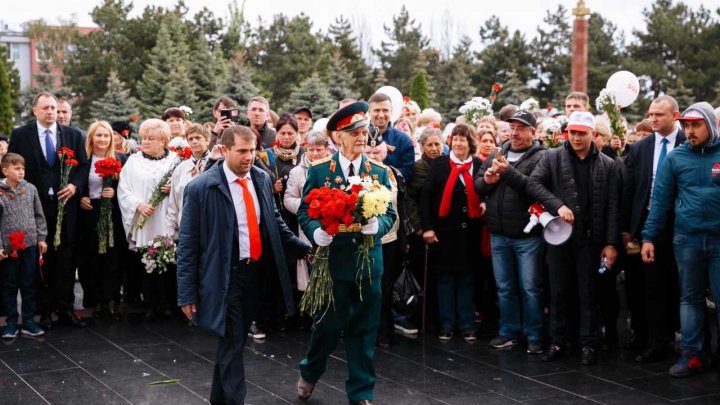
(359, 320)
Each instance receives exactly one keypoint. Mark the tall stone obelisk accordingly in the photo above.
(579, 69)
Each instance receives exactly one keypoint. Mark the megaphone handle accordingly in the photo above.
(531, 224)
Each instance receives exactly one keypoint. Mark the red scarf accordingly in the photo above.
(473, 201)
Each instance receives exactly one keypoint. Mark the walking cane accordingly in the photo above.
(425, 275)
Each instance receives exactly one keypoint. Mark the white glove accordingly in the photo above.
(371, 228)
(321, 237)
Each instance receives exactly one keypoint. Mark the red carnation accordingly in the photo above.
(125, 132)
(134, 118)
(497, 87)
(406, 99)
(17, 243)
(108, 167)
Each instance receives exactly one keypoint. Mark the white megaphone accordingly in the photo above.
(556, 230)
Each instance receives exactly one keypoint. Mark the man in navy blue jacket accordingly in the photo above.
(401, 154)
(231, 232)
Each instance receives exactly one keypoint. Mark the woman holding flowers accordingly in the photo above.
(99, 267)
(144, 217)
(450, 217)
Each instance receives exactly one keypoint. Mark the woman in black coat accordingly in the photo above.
(100, 274)
(450, 217)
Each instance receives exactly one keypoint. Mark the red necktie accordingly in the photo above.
(253, 226)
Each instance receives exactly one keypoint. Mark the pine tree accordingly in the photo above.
(238, 83)
(379, 78)
(339, 80)
(684, 96)
(116, 104)
(514, 91)
(6, 102)
(179, 89)
(314, 93)
(345, 42)
(207, 71)
(167, 73)
(419, 91)
(453, 77)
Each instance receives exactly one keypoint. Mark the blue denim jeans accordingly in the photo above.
(517, 264)
(698, 256)
(455, 300)
(19, 274)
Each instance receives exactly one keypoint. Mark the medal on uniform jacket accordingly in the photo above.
(332, 166)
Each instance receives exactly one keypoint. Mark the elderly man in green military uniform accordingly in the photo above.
(356, 312)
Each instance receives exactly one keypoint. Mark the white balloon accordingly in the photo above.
(320, 124)
(396, 100)
(626, 87)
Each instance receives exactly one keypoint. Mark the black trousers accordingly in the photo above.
(635, 296)
(391, 266)
(573, 268)
(228, 385)
(56, 286)
(662, 296)
(100, 274)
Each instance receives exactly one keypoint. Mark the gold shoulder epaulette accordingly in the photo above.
(376, 163)
(321, 161)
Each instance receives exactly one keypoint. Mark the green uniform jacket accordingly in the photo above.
(343, 249)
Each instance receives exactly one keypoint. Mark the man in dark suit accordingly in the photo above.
(661, 282)
(38, 142)
(230, 232)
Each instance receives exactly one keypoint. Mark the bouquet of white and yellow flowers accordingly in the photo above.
(373, 201)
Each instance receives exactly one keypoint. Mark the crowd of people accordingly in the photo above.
(644, 204)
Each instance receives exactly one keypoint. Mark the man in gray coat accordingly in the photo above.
(231, 232)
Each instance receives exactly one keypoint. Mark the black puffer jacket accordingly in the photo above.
(552, 183)
(507, 201)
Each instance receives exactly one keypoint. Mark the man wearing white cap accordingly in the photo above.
(687, 183)
(581, 186)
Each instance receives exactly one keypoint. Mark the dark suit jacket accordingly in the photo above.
(25, 141)
(636, 184)
(207, 245)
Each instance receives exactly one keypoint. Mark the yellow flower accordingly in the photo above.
(375, 202)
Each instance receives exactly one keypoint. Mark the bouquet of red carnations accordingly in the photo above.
(17, 243)
(67, 162)
(157, 195)
(108, 169)
(331, 207)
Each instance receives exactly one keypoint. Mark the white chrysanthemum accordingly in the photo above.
(187, 110)
(530, 104)
(605, 100)
(475, 109)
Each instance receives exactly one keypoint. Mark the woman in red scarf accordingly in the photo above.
(450, 216)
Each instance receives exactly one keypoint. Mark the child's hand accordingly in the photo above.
(42, 247)
(3, 256)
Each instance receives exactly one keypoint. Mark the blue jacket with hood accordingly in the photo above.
(689, 179)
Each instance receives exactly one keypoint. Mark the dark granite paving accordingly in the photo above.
(115, 363)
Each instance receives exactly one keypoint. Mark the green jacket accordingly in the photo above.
(343, 259)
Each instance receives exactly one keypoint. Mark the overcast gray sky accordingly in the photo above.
(466, 15)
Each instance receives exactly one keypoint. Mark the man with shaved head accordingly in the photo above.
(646, 157)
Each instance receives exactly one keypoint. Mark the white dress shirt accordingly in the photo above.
(95, 182)
(236, 191)
(459, 162)
(345, 165)
(656, 156)
(41, 135)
